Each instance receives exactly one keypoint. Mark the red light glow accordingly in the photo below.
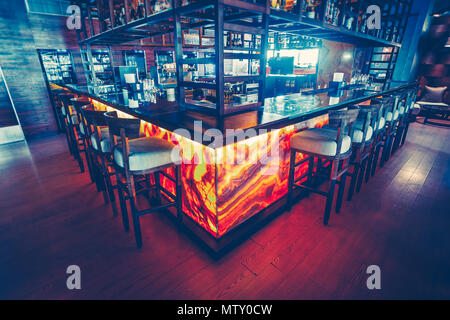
(219, 195)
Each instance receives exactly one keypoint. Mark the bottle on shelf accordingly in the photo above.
(311, 9)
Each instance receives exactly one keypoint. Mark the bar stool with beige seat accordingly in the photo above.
(57, 103)
(362, 139)
(404, 110)
(404, 96)
(63, 98)
(331, 144)
(100, 153)
(80, 131)
(392, 122)
(412, 102)
(135, 156)
(72, 122)
(383, 106)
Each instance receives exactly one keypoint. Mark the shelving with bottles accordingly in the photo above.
(136, 58)
(210, 35)
(343, 20)
(99, 71)
(58, 66)
(102, 13)
(279, 41)
(223, 74)
(166, 69)
(340, 20)
(312, 9)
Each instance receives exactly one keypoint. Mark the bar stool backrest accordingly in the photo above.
(65, 102)
(404, 98)
(396, 105)
(370, 117)
(380, 112)
(411, 99)
(387, 105)
(342, 120)
(78, 103)
(94, 120)
(124, 128)
(57, 92)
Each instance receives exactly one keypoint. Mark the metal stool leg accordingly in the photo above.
(136, 222)
(123, 204)
(134, 212)
(369, 165)
(291, 179)
(354, 175)
(362, 169)
(405, 133)
(375, 160)
(341, 192)
(179, 197)
(326, 215)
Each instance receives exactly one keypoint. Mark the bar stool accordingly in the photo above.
(63, 99)
(378, 136)
(72, 123)
(57, 103)
(403, 111)
(330, 144)
(133, 157)
(362, 139)
(413, 98)
(381, 136)
(81, 131)
(392, 119)
(100, 153)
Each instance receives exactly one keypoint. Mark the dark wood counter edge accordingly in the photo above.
(272, 125)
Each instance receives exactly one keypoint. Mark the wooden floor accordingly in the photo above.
(52, 217)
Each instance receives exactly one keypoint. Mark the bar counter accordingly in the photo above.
(231, 179)
(276, 113)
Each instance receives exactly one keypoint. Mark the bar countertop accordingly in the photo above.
(277, 112)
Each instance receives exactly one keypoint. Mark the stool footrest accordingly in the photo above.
(302, 177)
(167, 176)
(303, 161)
(151, 210)
(167, 192)
(323, 193)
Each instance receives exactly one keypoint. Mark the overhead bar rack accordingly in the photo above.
(293, 21)
(126, 22)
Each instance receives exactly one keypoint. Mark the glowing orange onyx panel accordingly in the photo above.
(197, 174)
(243, 188)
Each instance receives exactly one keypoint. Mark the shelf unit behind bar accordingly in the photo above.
(294, 19)
(240, 33)
(119, 24)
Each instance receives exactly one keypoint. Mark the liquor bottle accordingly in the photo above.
(227, 39)
(328, 11)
